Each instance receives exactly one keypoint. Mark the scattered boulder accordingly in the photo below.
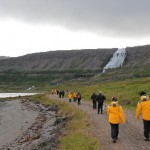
(125, 102)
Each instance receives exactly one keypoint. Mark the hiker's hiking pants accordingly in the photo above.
(114, 130)
(146, 128)
(100, 107)
(79, 101)
(94, 104)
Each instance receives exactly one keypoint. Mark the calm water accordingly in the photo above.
(5, 95)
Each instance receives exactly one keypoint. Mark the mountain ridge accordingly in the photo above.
(85, 59)
(59, 60)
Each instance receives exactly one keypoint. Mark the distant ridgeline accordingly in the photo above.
(90, 59)
(69, 64)
(117, 59)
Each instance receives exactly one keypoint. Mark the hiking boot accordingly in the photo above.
(147, 139)
(114, 140)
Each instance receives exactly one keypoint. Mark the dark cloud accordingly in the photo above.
(110, 17)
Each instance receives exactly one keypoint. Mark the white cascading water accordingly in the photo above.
(117, 59)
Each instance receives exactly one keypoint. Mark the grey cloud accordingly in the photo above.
(110, 17)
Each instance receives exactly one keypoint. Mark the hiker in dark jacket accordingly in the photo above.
(60, 94)
(63, 93)
(79, 98)
(94, 97)
(100, 99)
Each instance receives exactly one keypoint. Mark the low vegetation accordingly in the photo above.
(123, 90)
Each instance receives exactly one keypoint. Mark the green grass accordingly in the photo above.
(123, 90)
(78, 131)
(79, 142)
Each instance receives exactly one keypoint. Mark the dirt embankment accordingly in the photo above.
(130, 136)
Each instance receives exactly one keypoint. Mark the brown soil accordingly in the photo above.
(130, 135)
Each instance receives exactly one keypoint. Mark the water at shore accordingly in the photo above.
(5, 95)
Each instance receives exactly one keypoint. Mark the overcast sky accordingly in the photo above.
(29, 26)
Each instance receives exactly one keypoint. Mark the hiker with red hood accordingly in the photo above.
(115, 116)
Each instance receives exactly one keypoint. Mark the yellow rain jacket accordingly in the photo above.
(115, 113)
(69, 95)
(143, 108)
(75, 94)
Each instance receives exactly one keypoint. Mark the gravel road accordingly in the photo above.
(131, 133)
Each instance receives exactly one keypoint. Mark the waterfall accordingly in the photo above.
(117, 59)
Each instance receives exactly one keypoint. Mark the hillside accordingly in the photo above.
(4, 57)
(60, 66)
(90, 59)
(137, 56)
(59, 60)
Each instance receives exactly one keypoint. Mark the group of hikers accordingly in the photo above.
(116, 114)
(75, 96)
(100, 99)
(61, 93)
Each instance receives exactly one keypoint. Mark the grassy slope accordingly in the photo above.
(124, 90)
(20, 81)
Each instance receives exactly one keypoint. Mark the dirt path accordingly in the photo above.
(130, 136)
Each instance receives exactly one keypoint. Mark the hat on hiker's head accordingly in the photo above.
(114, 99)
(142, 93)
(100, 92)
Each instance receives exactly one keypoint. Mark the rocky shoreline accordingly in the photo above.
(43, 133)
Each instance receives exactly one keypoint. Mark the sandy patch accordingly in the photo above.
(14, 120)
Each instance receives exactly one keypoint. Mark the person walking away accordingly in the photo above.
(63, 93)
(74, 96)
(57, 92)
(115, 116)
(79, 98)
(93, 98)
(100, 98)
(69, 97)
(60, 94)
(143, 107)
(52, 91)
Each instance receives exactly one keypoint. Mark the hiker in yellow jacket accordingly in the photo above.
(74, 96)
(70, 97)
(115, 116)
(143, 108)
